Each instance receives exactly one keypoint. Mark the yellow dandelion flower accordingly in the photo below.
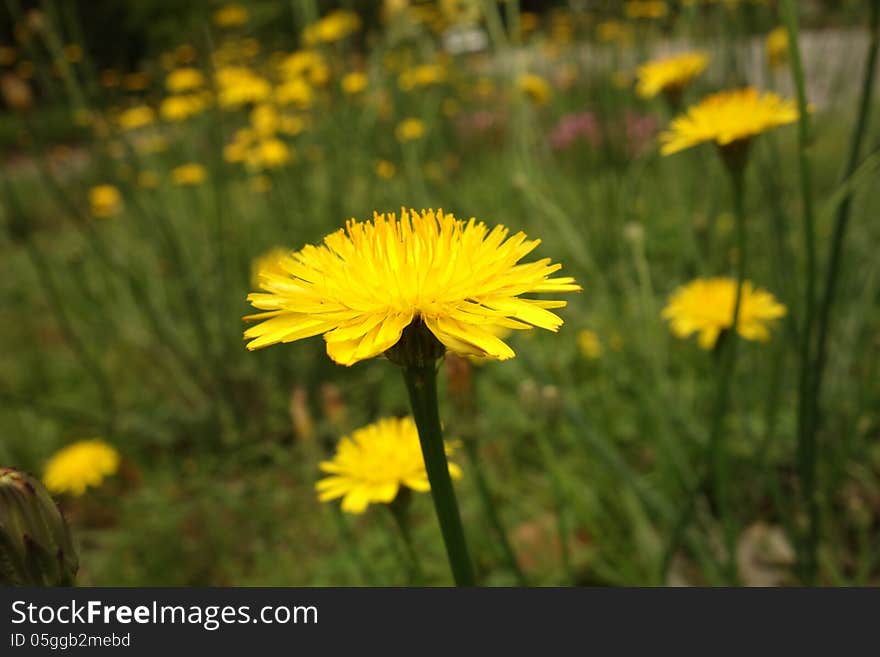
(189, 174)
(185, 79)
(535, 88)
(136, 117)
(728, 117)
(385, 169)
(410, 129)
(372, 465)
(705, 307)
(646, 9)
(84, 464)
(105, 200)
(589, 344)
(230, 16)
(335, 26)
(354, 83)
(365, 284)
(296, 91)
(670, 73)
(422, 76)
(269, 153)
(180, 108)
(777, 47)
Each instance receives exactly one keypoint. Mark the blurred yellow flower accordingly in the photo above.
(189, 174)
(105, 200)
(269, 153)
(181, 107)
(535, 88)
(354, 83)
(410, 129)
(239, 85)
(184, 79)
(335, 26)
(728, 117)
(364, 285)
(645, 9)
(136, 117)
(230, 16)
(705, 307)
(670, 74)
(296, 92)
(422, 76)
(371, 465)
(385, 169)
(589, 344)
(777, 47)
(84, 464)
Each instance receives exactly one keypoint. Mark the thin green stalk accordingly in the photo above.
(716, 457)
(475, 467)
(421, 384)
(806, 449)
(841, 220)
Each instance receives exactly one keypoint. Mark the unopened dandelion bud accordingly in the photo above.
(35, 544)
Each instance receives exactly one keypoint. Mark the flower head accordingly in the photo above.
(365, 284)
(105, 200)
(79, 466)
(188, 175)
(184, 79)
(728, 117)
(535, 88)
(354, 82)
(670, 73)
(372, 464)
(136, 117)
(705, 306)
(590, 344)
(410, 129)
(777, 46)
(230, 16)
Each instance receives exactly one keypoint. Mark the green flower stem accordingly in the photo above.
(841, 222)
(716, 462)
(471, 448)
(806, 448)
(421, 383)
(727, 366)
